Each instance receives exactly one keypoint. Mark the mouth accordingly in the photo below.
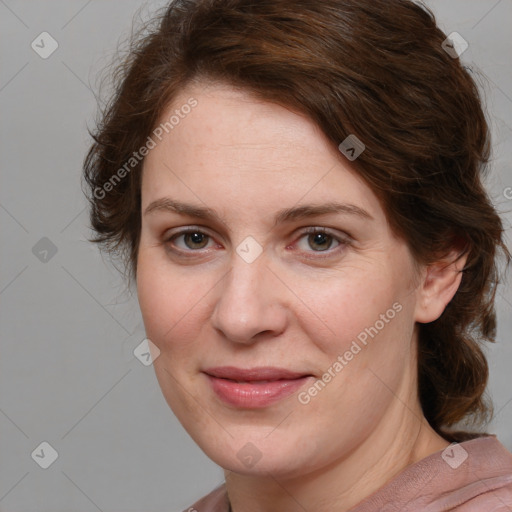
(254, 388)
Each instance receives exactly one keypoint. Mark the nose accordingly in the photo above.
(251, 305)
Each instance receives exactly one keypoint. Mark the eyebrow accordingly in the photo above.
(285, 215)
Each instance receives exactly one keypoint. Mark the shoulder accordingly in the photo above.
(471, 476)
(486, 479)
(215, 501)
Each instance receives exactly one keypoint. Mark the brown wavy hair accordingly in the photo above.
(374, 68)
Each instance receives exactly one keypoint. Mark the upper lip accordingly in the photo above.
(268, 373)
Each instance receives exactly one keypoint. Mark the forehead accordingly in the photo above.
(229, 120)
(231, 143)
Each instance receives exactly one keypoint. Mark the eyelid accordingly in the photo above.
(340, 236)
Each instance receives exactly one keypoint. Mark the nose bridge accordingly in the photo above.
(248, 303)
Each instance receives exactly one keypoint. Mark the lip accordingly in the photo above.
(254, 388)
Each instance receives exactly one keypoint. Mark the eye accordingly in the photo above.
(320, 240)
(193, 240)
(314, 239)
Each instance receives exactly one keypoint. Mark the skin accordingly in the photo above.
(296, 306)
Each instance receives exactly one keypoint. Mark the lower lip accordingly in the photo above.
(254, 395)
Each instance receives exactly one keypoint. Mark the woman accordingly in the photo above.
(338, 376)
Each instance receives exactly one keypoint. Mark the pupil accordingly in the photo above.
(320, 239)
(196, 238)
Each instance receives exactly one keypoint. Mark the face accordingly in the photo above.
(284, 327)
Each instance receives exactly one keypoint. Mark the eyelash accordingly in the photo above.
(342, 241)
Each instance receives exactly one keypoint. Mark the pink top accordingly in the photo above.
(473, 476)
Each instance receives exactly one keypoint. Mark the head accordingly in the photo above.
(237, 109)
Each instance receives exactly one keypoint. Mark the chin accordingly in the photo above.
(278, 466)
(259, 456)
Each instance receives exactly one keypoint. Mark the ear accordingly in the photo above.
(440, 281)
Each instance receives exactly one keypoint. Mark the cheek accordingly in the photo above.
(364, 355)
(347, 308)
(152, 297)
(166, 301)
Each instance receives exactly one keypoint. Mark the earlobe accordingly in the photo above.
(438, 286)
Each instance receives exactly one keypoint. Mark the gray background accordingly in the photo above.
(68, 375)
